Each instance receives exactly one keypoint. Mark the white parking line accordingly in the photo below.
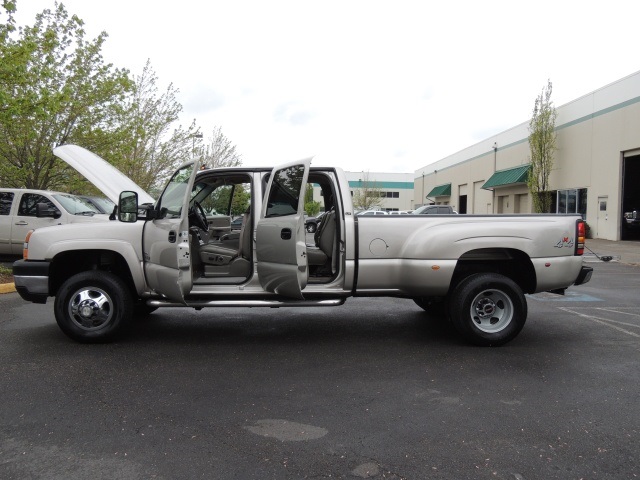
(603, 321)
(621, 310)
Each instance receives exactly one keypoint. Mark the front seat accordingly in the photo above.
(224, 261)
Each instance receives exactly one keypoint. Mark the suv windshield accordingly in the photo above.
(75, 205)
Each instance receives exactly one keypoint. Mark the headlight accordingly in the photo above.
(25, 246)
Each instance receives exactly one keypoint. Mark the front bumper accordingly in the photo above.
(584, 276)
(31, 279)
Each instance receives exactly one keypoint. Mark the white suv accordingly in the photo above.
(22, 210)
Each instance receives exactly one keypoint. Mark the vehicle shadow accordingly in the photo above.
(288, 327)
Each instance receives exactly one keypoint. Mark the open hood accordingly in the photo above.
(107, 178)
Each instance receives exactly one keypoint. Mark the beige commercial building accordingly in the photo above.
(596, 169)
(395, 189)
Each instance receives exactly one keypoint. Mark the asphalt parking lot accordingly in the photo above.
(372, 389)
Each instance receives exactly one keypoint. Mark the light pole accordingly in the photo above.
(193, 144)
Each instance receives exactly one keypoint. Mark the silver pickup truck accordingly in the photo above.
(180, 251)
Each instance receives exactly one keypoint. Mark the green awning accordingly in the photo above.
(510, 176)
(441, 191)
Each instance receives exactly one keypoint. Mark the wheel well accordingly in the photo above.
(67, 264)
(511, 263)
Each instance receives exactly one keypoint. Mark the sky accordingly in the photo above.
(377, 86)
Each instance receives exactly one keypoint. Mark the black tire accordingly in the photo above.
(488, 309)
(311, 227)
(93, 307)
(435, 307)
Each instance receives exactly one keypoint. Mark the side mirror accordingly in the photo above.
(43, 211)
(128, 207)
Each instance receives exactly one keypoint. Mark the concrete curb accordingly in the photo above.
(7, 288)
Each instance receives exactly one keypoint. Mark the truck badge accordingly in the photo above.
(565, 242)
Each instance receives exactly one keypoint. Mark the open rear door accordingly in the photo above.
(166, 239)
(280, 235)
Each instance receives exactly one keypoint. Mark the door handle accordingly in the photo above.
(285, 234)
(22, 222)
(172, 237)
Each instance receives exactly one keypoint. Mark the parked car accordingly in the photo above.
(372, 212)
(22, 210)
(434, 210)
(104, 205)
(236, 224)
(400, 212)
(311, 223)
(632, 220)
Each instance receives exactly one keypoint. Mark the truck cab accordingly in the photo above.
(191, 254)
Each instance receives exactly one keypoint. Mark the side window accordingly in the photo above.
(6, 199)
(170, 204)
(285, 192)
(231, 199)
(28, 202)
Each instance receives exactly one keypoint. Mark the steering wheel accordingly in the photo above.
(198, 217)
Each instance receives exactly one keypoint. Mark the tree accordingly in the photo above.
(310, 205)
(220, 152)
(367, 195)
(542, 144)
(54, 89)
(143, 145)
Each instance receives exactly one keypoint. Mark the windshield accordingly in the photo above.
(170, 203)
(75, 205)
(104, 203)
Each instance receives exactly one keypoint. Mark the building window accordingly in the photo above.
(572, 201)
(390, 194)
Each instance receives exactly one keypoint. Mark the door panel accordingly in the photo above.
(26, 219)
(166, 239)
(280, 236)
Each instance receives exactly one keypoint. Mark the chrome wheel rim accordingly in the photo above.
(491, 311)
(90, 308)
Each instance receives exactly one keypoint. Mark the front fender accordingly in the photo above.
(119, 247)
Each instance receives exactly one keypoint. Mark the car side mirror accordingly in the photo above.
(128, 207)
(43, 211)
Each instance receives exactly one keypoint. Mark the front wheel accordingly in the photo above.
(488, 309)
(93, 307)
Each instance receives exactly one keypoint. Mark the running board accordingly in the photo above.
(248, 303)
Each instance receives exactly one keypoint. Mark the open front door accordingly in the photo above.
(280, 235)
(166, 245)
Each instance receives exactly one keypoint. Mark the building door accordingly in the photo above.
(462, 204)
(462, 198)
(521, 203)
(630, 225)
(603, 217)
